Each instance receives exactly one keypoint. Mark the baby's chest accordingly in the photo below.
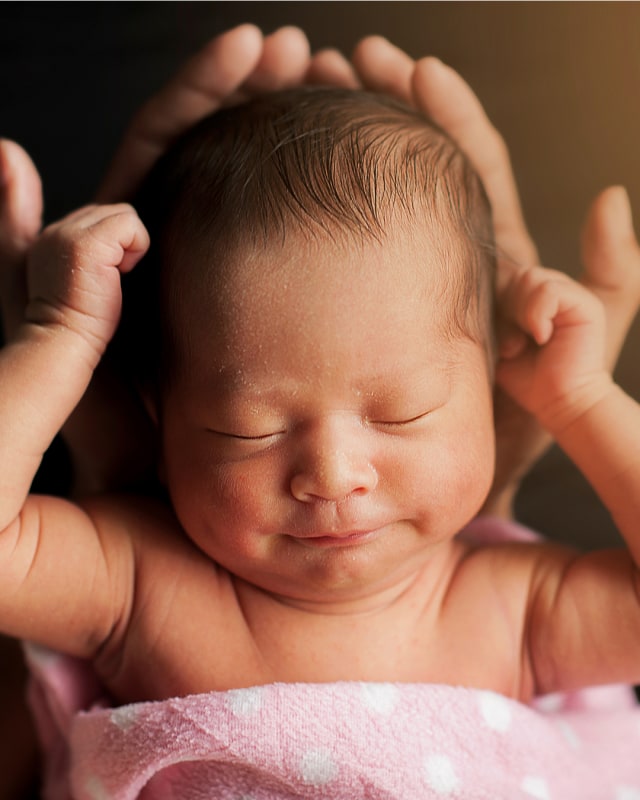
(467, 649)
(201, 648)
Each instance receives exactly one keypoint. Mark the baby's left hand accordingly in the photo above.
(552, 352)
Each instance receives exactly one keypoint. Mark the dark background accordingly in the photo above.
(559, 80)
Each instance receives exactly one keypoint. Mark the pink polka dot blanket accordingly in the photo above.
(338, 740)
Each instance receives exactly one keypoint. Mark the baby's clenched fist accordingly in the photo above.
(73, 271)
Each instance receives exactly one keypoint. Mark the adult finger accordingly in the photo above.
(383, 67)
(284, 62)
(20, 222)
(200, 87)
(20, 202)
(446, 98)
(330, 68)
(611, 258)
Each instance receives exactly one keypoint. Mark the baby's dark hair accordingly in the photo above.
(323, 162)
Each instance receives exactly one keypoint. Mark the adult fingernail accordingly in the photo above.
(620, 203)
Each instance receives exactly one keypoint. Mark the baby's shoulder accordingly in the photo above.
(511, 572)
(515, 560)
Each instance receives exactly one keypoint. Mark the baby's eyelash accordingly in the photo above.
(253, 438)
(399, 422)
(242, 438)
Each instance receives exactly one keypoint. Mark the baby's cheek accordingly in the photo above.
(453, 478)
(214, 510)
(476, 464)
(461, 477)
(242, 500)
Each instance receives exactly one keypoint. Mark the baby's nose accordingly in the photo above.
(334, 463)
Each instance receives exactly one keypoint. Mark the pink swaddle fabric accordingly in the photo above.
(337, 740)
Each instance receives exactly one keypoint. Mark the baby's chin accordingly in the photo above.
(347, 575)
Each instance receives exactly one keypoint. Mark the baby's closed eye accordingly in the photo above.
(247, 437)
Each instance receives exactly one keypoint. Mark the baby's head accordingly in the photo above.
(319, 165)
(313, 325)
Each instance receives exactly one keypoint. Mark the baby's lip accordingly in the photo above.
(338, 538)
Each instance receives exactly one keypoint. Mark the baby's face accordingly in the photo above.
(325, 436)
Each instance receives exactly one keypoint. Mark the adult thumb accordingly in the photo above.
(20, 222)
(20, 202)
(611, 259)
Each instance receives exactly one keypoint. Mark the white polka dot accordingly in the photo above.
(317, 767)
(380, 697)
(441, 775)
(536, 787)
(95, 789)
(124, 717)
(627, 793)
(245, 702)
(495, 710)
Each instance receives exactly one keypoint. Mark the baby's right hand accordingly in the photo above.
(73, 271)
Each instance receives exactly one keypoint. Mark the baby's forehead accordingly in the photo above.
(314, 267)
(309, 279)
(321, 314)
(332, 297)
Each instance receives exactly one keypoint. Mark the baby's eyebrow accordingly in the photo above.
(236, 386)
(232, 383)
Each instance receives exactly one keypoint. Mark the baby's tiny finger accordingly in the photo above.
(122, 228)
(512, 344)
(528, 302)
(539, 309)
(90, 215)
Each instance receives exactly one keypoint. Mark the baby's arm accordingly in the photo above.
(562, 380)
(584, 615)
(51, 558)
